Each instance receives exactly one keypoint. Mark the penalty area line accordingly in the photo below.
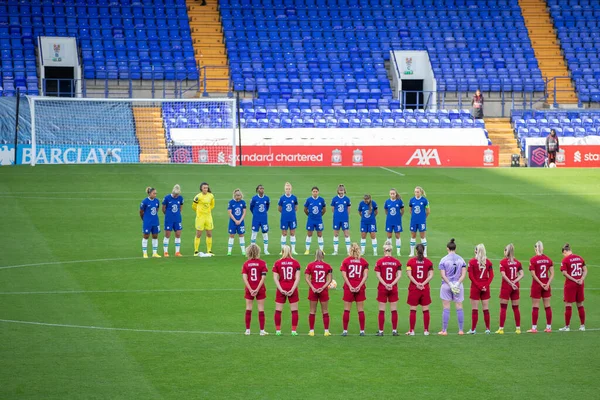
(392, 171)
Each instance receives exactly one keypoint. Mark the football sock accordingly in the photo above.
(253, 237)
(154, 246)
(336, 243)
(196, 244)
(144, 245)
(581, 311)
(230, 245)
(293, 243)
(534, 315)
(503, 308)
(381, 319)
(166, 244)
(363, 244)
(361, 320)
(177, 245)
(474, 318)
(266, 241)
(426, 319)
(374, 244)
(248, 318)
(445, 319)
(568, 313)
(326, 321)
(294, 319)
(278, 320)
(460, 315)
(283, 240)
(398, 244)
(308, 240)
(412, 319)
(209, 244)
(517, 315)
(321, 243)
(348, 244)
(486, 318)
(346, 319)
(413, 243)
(394, 319)
(311, 322)
(548, 315)
(243, 245)
(424, 243)
(261, 320)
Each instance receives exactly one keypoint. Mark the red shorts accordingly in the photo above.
(322, 297)
(537, 292)
(508, 293)
(261, 295)
(573, 293)
(280, 298)
(477, 294)
(384, 295)
(349, 296)
(417, 297)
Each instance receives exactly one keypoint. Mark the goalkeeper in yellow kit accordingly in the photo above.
(203, 204)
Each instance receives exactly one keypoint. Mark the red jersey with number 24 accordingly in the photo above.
(354, 269)
(254, 269)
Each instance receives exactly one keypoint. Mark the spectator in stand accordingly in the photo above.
(552, 147)
(477, 104)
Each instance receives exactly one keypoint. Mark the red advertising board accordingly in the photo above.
(347, 156)
(587, 156)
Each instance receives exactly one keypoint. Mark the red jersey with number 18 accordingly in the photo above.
(388, 267)
(286, 268)
(318, 271)
(541, 265)
(573, 265)
(254, 269)
(354, 269)
(419, 271)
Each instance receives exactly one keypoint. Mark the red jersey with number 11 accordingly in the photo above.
(254, 269)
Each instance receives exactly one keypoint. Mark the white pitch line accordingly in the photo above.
(392, 171)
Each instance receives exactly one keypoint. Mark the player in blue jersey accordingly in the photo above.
(150, 224)
(259, 207)
(314, 208)
(340, 206)
(288, 205)
(394, 210)
(419, 211)
(368, 211)
(237, 214)
(171, 207)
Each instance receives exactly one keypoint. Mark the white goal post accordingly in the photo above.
(94, 130)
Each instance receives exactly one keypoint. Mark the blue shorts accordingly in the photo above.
(260, 226)
(312, 225)
(173, 226)
(364, 227)
(285, 225)
(150, 229)
(236, 229)
(341, 225)
(393, 228)
(418, 227)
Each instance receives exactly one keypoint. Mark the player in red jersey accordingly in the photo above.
(389, 271)
(574, 270)
(419, 271)
(253, 273)
(286, 273)
(355, 270)
(512, 272)
(318, 276)
(481, 275)
(542, 272)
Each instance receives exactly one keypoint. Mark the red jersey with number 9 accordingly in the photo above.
(318, 271)
(541, 266)
(573, 265)
(286, 268)
(354, 269)
(254, 269)
(388, 267)
(419, 270)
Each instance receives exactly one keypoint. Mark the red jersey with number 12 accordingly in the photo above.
(419, 271)
(573, 265)
(541, 266)
(388, 267)
(286, 268)
(354, 269)
(254, 269)
(318, 271)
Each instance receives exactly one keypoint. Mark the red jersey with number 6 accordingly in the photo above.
(573, 265)
(286, 268)
(541, 265)
(354, 269)
(419, 271)
(388, 267)
(318, 271)
(254, 269)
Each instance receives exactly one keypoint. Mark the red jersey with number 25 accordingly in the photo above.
(318, 271)
(286, 268)
(573, 265)
(419, 271)
(254, 269)
(354, 269)
(541, 266)
(388, 267)
(511, 269)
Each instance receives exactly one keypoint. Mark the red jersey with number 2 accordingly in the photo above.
(541, 266)
(286, 268)
(254, 269)
(573, 265)
(354, 269)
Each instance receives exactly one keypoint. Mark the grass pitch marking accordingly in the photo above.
(392, 171)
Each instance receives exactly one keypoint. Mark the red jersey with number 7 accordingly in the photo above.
(387, 267)
(354, 269)
(573, 265)
(480, 277)
(419, 271)
(541, 265)
(254, 269)
(318, 271)
(286, 268)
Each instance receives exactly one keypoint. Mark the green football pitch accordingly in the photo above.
(83, 316)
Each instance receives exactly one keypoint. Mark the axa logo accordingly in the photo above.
(425, 157)
(577, 156)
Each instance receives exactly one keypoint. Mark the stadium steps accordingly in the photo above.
(501, 134)
(150, 132)
(547, 50)
(209, 46)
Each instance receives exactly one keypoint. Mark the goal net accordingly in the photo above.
(85, 131)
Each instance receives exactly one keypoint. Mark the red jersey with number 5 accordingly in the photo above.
(419, 271)
(254, 269)
(354, 269)
(511, 269)
(318, 271)
(286, 268)
(573, 265)
(388, 267)
(541, 265)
